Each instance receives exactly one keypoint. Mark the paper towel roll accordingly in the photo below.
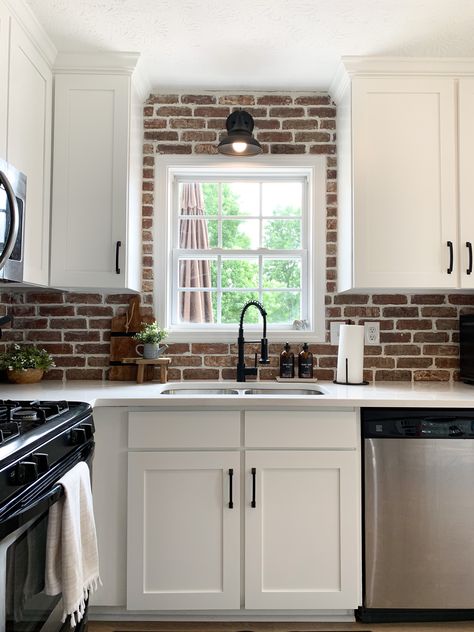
(351, 348)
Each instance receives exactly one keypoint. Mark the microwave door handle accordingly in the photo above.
(14, 223)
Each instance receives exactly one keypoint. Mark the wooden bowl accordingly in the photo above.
(28, 376)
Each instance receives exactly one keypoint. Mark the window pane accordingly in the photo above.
(240, 273)
(281, 273)
(282, 234)
(197, 273)
(197, 307)
(240, 198)
(282, 307)
(282, 198)
(240, 234)
(197, 234)
(210, 194)
(232, 303)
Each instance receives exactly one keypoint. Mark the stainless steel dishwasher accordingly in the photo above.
(418, 514)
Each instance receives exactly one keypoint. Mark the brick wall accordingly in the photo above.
(418, 332)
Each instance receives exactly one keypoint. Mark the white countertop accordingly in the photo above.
(389, 394)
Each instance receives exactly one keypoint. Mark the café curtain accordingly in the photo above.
(195, 307)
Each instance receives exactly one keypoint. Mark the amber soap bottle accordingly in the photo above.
(305, 363)
(287, 362)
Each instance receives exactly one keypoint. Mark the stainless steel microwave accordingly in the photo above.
(466, 348)
(12, 222)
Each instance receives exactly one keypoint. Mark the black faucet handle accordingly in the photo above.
(264, 351)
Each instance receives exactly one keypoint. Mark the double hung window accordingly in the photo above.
(236, 234)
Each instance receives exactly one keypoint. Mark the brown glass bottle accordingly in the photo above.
(287, 362)
(305, 363)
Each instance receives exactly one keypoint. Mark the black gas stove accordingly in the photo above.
(40, 441)
(35, 437)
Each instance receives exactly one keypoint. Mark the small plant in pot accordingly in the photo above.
(149, 337)
(25, 364)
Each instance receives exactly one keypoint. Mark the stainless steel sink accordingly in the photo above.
(282, 391)
(200, 391)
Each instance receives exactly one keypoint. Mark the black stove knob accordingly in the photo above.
(26, 472)
(78, 436)
(89, 429)
(42, 462)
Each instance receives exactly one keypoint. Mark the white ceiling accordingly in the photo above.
(257, 44)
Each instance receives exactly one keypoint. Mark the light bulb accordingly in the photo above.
(239, 147)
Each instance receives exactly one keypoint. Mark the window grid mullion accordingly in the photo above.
(219, 290)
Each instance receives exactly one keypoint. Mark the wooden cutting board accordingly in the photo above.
(122, 344)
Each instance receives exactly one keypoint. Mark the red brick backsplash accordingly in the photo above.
(418, 333)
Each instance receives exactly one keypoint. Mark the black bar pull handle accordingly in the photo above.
(231, 476)
(117, 253)
(254, 493)
(451, 257)
(469, 250)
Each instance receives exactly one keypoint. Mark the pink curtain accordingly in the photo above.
(195, 307)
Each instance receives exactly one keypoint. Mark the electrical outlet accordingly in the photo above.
(372, 333)
(334, 327)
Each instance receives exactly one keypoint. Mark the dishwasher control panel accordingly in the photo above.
(406, 423)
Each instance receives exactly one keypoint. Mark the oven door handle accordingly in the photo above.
(49, 498)
(14, 222)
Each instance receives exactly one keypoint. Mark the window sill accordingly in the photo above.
(297, 336)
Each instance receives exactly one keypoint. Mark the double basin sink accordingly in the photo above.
(242, 391)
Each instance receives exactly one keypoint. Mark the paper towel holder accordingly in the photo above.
(347, 383)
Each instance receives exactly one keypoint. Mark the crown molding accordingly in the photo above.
(120, 63)
(22, 12)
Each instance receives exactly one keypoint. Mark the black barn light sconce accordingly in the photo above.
(239, 140)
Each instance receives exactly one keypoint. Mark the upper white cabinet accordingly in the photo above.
(26, 58)
(466, 189)
(400, 224)
(4, 46)
(96, 223)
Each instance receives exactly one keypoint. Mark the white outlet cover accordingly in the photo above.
(372, 333)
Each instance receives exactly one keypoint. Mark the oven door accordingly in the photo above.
(24, 606)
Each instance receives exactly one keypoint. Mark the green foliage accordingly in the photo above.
(282, 307)
(20, 358)
(150, 333)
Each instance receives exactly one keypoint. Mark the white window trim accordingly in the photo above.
(166, 167)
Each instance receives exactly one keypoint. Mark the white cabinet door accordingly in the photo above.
(183, 547)
(4, 46)
(302, 536)
(466, 181)
(29, 146)
(404, 182)
(90, 184)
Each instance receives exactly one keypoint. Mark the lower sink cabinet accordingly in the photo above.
(300, 511)
(183, 549)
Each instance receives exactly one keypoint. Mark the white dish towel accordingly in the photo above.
(72, 561)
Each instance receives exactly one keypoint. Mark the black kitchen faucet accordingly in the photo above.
(242, 371)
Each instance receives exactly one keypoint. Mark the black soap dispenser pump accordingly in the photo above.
(287, 362)
(305, 363)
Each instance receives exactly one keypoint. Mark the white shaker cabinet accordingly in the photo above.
(398, 183)
(4, 46)
(295, 534)
(26, 58)
(183, 531)
(466, 181)
(96, 224)
(29, 146)
(301, 537)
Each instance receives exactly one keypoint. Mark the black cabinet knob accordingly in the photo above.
(42, 462)
(78, 436)
(26, 472)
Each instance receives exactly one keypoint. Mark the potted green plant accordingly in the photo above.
(25, 364)
(150, 336)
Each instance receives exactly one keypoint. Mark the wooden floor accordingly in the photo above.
(95, 626)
